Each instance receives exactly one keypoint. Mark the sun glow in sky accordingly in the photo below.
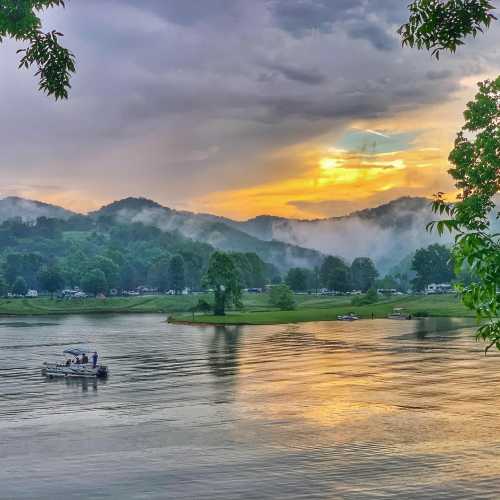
(241, 109)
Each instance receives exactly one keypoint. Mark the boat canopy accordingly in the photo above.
(75, 351)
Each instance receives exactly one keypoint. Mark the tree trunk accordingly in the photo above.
(220, 303)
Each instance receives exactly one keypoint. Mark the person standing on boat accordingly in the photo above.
(95, 357)
(85, 359)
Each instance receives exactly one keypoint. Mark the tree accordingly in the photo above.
(19, 19)
(442, 25)
(297, 279)
(3, 286)
(335, 274)
(202, 306)
(26, 265)
(363, 273)
(20, 287)
(476, 170)
(108, 267)
(94, 282)
(223, 278)
(51, 279)
(176, 274)
(433, 264)
(281, 296)
(388, 282)
(251, 268)
(370, 297)
(438, 25)
(158, 275)
(128, 277)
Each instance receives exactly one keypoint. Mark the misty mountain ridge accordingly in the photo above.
(386, 233)
(30, 210)
(217, 231)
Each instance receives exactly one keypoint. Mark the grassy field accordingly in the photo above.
(145, 304)
(256, 309)
(328, 308)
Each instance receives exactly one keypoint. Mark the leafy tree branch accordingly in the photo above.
(19, 20)
(438, 25)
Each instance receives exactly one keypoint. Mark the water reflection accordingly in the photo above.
(80, 384)
(223, 351)
(323, 410)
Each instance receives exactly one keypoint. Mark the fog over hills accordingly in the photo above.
(387, 233)
(217, 231)
(28, 210)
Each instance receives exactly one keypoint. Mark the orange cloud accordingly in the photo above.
(356, 179)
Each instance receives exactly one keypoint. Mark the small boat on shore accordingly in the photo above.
(72, 366)
(399, 313)
(348, 317)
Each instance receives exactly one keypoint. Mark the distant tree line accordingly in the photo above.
(97, 256)
(334, 274)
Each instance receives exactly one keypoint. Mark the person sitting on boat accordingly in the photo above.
(95, 357)
(77, 360)
(85, 359)
(68, 362)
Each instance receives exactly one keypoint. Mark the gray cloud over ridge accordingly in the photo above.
(161, 81)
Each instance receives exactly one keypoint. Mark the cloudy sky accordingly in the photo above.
(303, 108)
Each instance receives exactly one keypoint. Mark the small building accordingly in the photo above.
(438, 288)
(32, 293)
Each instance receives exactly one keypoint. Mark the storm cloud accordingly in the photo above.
(176, 99)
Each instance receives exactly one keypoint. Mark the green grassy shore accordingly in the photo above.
(256, 309)
(327, 309)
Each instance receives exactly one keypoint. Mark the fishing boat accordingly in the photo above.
(399, 313)
(348, 317)
(72, 366)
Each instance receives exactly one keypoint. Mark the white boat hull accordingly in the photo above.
(74, 370)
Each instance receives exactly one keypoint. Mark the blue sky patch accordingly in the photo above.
(376, 142)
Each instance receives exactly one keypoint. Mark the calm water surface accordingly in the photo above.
(372, 409)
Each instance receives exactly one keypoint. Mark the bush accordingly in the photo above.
(421, 314)
(370, 297)
(203, 306)
(281, 296)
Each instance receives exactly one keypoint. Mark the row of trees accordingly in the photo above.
(433, 264)
(113, 256)
(334, 274)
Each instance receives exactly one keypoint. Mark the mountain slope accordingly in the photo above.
(209, 229)
(386, 233)
(28, 210)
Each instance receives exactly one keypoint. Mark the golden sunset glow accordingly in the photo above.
(327, 164)
(346, 177)
(318, 173)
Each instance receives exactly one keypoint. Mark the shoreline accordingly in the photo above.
(256, 309)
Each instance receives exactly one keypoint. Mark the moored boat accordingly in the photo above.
(347, 317)
(399, 313)
(75, 364)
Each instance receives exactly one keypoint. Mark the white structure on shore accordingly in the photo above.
(438, 288)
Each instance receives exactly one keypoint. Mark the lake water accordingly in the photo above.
(371, 409)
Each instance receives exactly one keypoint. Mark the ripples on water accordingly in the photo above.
(372, 409)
